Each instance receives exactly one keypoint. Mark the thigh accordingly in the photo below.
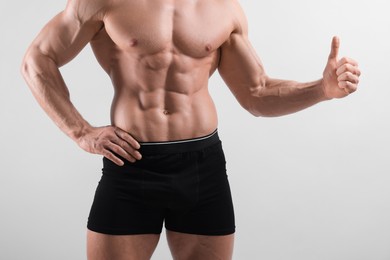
(213, 212)
(198, 247)
(120, 247)
(121, 204)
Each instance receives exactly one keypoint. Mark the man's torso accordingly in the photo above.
(160, 55)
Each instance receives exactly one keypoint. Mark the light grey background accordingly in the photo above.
(309, 186)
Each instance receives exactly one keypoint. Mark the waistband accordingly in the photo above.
(179, 146)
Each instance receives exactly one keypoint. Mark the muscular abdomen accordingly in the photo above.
(175, 117)
(163, 96)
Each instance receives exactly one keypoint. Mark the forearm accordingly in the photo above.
(282, 97)
(48, 87)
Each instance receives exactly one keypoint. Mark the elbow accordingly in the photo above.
(31, 70)
(252, 107)
(263, 113)
(26, 73)
(260, 107)
(27, 65)
(259, 112)
(256, 113)
(33, 64)
(253, 110)
(253, 103)
(26, 68)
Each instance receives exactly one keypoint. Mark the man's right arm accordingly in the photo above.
(57, 44)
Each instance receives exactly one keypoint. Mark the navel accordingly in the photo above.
(166, 112)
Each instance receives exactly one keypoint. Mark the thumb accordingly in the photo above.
(335, 48)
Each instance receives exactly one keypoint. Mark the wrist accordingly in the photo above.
(323, 92)
(77, 133)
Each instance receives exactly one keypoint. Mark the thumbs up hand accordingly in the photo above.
(340, 77)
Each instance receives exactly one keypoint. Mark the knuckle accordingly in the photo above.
(103, 143)
(104, 135)
(350, 67)
(348, 61)
(117, 132)
(343, 68)
(98, 146)
(352, 86)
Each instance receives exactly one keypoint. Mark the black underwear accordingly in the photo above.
(183, 183)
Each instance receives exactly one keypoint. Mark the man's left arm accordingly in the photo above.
(261, 95)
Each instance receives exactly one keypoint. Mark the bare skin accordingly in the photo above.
(159, 55)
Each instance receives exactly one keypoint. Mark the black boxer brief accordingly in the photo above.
(182, 183)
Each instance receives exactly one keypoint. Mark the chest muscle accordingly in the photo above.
(193, 28)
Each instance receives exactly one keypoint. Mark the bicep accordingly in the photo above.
(64, 37)
(240, 67)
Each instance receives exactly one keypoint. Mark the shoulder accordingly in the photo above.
(239, 23)
(239, 18)
(87, 10)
